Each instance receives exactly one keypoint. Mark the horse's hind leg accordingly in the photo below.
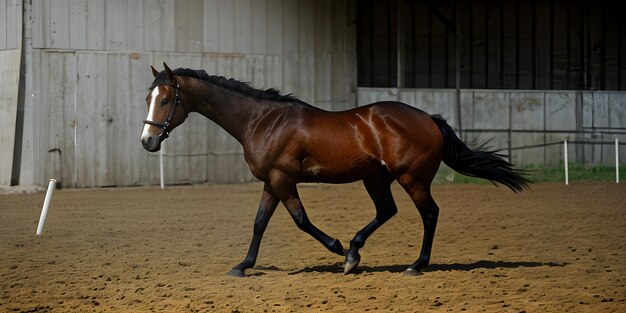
(429, 211)
(378, 188)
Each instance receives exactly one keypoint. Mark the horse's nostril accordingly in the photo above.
(147, 143)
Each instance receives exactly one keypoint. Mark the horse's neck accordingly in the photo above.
(230, 110)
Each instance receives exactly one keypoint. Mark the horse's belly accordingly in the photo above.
(341, 170)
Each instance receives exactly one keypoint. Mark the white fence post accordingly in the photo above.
(161, 167)
(616, 161)
(565, 161)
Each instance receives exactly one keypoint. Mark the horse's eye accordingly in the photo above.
(164, 102)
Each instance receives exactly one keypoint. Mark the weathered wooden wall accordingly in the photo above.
(521, 118)
(90, 73)
(10, 58)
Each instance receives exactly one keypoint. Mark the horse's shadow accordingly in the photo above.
(484, 264)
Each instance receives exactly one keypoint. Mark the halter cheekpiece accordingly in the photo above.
(177, 101)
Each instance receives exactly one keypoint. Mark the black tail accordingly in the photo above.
(478, 162)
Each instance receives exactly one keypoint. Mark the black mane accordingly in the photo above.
(240, 87)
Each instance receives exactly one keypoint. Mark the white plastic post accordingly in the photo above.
(46, 204)
(565, 161)
(616, 161)
(161, 167)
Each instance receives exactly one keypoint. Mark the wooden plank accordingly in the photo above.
(349, 55)
(290, 47)
(69, 118)
(60, 84)
(257, 71)
(226, 26)
(323, 57)
(9, 78)
(134, 26)
(4, 25)
(306, 48)
(91, 116)
(243, 26)
(12, 28)
(273, 71)
(188, 34)
(78, 24)
(159, 26)
(339, 85)
(115, 21)
(59, 26)
(259, 26)
(95, 29)
(31, 172)
(275, 27)
(120, 138)
(210, 26)
(15, 37)
(241, 69)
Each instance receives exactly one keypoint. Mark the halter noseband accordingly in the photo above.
(165, 133)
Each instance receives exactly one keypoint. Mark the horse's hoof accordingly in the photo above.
(411, 272)
(349, 266)
(236, 273)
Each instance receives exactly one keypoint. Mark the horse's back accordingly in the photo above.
(391, 134)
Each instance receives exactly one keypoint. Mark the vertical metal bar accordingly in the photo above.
(517, 27)
(390, 47)
(534, 43)
(430, 49)
(414, 44)
(502, 44)
(603, 51)
(551, 44)
(582, 38)
(589, 77)
(399, 45)
(567, 44)
(471, 44)
(619, 54)
(486, 45)
(371, 35)
(445, 62)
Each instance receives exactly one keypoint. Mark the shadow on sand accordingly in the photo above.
(484, 264)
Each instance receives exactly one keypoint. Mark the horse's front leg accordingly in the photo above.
(268, 204)
(288, 195)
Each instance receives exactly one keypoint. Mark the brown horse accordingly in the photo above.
(286, 141)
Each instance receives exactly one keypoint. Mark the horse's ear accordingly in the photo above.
(154, 71)
(168, 71)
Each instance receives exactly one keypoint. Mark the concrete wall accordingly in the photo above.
(10, 60)
(518, 118)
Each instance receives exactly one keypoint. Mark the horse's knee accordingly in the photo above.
(384, 216)
(429, 213)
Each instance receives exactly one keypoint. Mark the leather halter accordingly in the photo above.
(177, 101)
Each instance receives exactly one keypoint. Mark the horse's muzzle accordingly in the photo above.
(151, 143)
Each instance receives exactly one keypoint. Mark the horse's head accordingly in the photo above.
(165, 110)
